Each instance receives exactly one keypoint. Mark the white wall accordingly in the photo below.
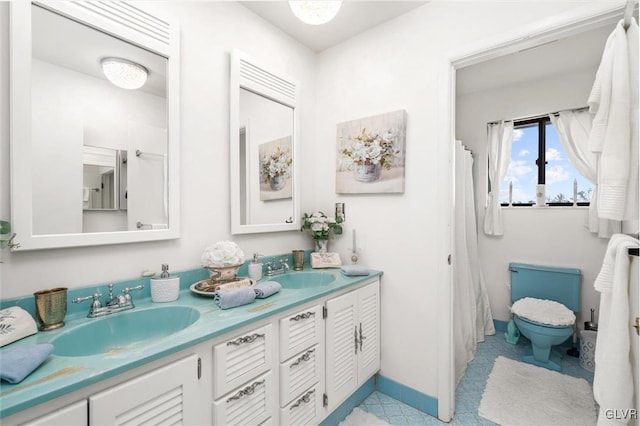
(396, 66)
(209, 30)
(553, 236)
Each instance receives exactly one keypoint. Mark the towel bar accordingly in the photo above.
(634, 251)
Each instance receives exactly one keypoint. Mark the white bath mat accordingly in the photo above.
(523, 394)
(359, 417)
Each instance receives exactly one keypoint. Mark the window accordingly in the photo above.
(530, 138)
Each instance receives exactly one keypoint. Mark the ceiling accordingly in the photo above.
(576, 53)
(353, 18)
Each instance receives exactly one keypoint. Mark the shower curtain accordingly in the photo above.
(472, 318)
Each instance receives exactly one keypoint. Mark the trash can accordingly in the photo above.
(588, 350)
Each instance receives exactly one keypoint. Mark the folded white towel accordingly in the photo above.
(543, 311)
(15, 323)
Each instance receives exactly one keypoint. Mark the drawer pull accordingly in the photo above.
(303, 358)
(305, 315)
(249, 390)
(304, 399)
(245, 339)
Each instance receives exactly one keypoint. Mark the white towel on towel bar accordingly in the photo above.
(613, 378)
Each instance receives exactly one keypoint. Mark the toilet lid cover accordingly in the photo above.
(543, 311)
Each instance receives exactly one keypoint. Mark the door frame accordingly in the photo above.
(566, 24)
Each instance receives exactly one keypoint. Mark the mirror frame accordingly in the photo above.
(250, 75)
(123, 21)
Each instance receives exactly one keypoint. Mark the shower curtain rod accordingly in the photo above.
(532, 117)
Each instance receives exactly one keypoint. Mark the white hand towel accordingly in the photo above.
(15, 323)
(613, 379)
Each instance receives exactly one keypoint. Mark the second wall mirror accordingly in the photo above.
(264, 148)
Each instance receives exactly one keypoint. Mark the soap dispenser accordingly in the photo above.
(255, 268)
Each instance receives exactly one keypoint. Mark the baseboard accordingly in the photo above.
(500, 326)
(353, 401)
(407, 395)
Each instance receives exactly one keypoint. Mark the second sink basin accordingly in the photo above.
(300, 280)
(122, 330)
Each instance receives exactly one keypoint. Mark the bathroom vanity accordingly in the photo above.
(292, 358)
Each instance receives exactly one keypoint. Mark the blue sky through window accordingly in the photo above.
(559, 173)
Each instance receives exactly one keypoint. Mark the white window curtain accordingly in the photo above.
(574, 128)
(500, 137)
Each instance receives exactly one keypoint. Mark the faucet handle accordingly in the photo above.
(95, 304)
(95, 296)
(126, 291)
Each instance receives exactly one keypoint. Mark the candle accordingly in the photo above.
(575, 191)
(510, 192)
(354, 241)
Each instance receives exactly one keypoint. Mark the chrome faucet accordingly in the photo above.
(277, 268)
(119, 303)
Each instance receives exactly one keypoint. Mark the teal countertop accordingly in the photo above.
(59, 375)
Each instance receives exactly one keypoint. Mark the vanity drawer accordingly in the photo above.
(300, 372)
(305, 410)
(241, 358)
(250, 404)
(300, 330)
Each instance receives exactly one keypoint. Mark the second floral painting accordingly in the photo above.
(371, 154)
(275, 169)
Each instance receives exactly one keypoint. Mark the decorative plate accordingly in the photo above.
(207, 288)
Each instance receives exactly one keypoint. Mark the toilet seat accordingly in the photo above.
(543, 312)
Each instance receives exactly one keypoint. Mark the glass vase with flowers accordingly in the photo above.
(320, 226)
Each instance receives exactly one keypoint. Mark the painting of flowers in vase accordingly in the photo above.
(275, 169)
(371, 154)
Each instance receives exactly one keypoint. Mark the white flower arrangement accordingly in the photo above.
(222, 253)
(372, 148)
(277, 163)
(320, 225)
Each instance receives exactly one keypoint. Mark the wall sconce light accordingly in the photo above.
(124, 73)
(315, 12)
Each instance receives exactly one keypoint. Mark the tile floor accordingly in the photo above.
(470, 388)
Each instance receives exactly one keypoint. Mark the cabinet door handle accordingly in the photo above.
(304, 399)
(355, 338)
(245, 339)
(361, 337)
(303, 358)
(246, 391)
(305, 315)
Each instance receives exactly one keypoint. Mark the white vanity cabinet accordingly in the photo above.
(302, 367)
(293, 367)
(243, 383)
(72, 415)
(352, 341)
(167, 395)
(307, 409)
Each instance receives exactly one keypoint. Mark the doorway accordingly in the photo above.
(560, 27)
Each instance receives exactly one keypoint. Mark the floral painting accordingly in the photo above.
(275, 169)
(371, 154)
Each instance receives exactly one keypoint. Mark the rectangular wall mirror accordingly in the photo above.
(95, 148)
(264, 148)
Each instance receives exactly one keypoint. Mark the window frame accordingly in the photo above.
(541, 123)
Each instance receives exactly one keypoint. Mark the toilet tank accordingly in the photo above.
(545, 282)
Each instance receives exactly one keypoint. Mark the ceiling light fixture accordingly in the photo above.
(124, 73)
(315, 12)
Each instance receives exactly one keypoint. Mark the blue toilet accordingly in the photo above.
(545, 300)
